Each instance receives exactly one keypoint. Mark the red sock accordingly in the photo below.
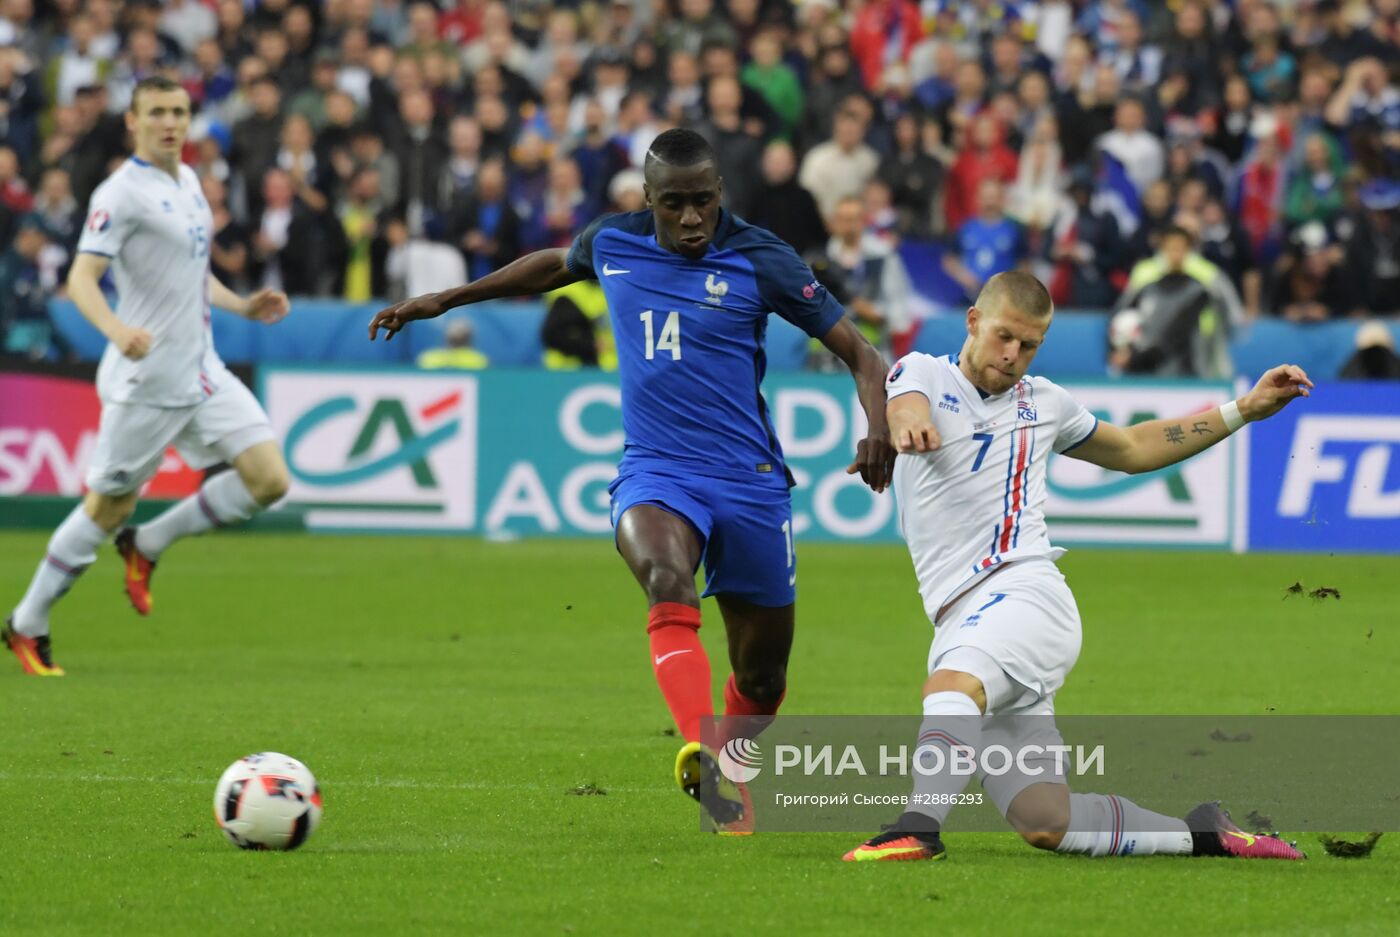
(739, 711)
(682, 669)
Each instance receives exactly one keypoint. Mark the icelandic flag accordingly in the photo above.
(1116, 194)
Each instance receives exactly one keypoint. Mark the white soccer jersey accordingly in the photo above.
(157, 231)
(978, 500)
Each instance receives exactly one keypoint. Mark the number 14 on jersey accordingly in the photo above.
(668, 340)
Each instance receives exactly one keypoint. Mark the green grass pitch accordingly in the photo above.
(448, 693)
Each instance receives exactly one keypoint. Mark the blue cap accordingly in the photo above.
(1381, 194)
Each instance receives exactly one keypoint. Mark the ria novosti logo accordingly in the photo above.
(740, 760)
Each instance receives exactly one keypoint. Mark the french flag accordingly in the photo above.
(1116, 194)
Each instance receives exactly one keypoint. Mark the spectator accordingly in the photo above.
(1176, 315)
(1137, 64)
(313, 101)
(296, 156)
(461, 23)
(421, 156)
(78, 66)
(1260, 190)
(561, 36)
(21, 100)
(24, 313)
(697, 25)
(884, 31)
(779, 87)
(1086, 250)
(229, 249)
(484, 224)
(984, 157)
(14, 191)
(213, 82)
(1373, 251)
(873, 274)
(840, 167)
(1086, 112)
(564, 209)
(785, 207)
(936, 90)
(1192, 52)
(987, 244)
(1132, 144)
(292, 242)
(359, 216)
(1270, 71)
(832, 81)
(737, 150)
(1315, 194)
(913, 177)
(1036, 191)
(256, 137)
(1231, 128)
(58, 214)
(189, 23)
(577, 332)
(1375, 358)
(423, 36)
(100, 138)
(1225, 244)
(627, 191)
(598, 156)
(1309, 280)
(685, 97)
(1157, 216)
(463, 159)
(457, 354)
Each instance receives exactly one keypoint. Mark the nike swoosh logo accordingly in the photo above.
(661, 659)
(613, 271)
(1248, 840)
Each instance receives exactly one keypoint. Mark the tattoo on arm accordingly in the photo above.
(1202, 428)
(1174, 435)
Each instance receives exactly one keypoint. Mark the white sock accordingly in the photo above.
(221, 501)
(1109, 825)
(952, 725)
(72, 549)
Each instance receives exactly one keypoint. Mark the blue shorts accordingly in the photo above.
(745, 530)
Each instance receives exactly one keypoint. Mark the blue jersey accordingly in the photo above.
(689, 337)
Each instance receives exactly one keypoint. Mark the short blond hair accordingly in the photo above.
(1020, 291)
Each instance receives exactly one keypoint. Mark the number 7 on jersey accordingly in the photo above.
(670, 338)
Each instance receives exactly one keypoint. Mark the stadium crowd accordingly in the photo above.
(1247, 149)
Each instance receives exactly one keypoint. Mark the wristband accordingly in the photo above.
(1230, 413)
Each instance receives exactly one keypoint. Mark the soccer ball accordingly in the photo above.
(267, 801)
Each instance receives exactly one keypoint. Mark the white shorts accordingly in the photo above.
(1019, 633)
(133, 437)
(1024, 618)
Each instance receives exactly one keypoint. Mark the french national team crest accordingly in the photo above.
(99, 221)
(717, 289)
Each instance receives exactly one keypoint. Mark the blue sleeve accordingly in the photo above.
(580, 257)
(789, 288)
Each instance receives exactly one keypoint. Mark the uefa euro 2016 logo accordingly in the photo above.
(740, 760)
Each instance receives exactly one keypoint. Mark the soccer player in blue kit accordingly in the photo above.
(689, 289)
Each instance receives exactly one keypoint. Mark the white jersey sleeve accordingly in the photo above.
(1073, 424)
(110, 221)
(915, 373)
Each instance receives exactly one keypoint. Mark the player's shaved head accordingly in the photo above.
(1019, 291)
(1005, 328)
